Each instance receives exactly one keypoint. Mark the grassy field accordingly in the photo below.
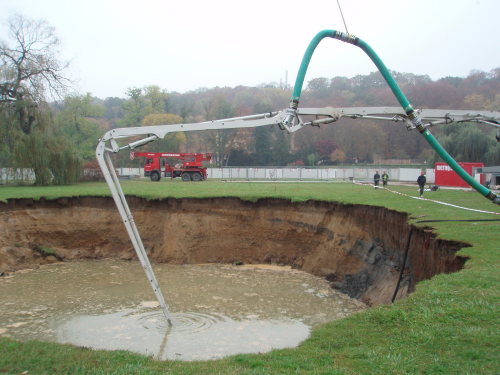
(449, 325)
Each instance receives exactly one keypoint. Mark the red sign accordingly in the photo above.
(238, 169)
(130, 169)
(291, 169)
(309, 170)
(220, 169)
(131, 155)
(256, 169)
(446, 176)
(345, 170)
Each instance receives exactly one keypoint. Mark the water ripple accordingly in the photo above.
(186, 323)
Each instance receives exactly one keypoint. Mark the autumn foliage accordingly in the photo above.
(91, 172)
(345, 141)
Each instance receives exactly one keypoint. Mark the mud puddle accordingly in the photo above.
(217, 310)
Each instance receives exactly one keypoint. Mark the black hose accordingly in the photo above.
(408, 247)
(404, 263)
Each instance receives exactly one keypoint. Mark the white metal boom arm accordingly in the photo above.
(430, 117)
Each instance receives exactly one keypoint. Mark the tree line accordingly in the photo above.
(54, 131)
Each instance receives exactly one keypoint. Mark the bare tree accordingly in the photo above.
(30, 69)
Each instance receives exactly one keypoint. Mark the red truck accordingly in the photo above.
(191, 168)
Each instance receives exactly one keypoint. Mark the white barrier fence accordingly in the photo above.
(262, 173)
(253, 173)
(19, 174)
(339, 173)
(303, 173)
(130, 172)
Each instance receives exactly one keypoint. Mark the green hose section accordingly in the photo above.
(386, 74)
(297, 89)
(425, 132)
(299, 82)
(454, 165)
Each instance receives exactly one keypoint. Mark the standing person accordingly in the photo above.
(385, 178)
(376, 179)
(421, 180)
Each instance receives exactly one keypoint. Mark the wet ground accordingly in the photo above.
(216, 310)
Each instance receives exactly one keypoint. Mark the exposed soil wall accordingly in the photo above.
(358, 248)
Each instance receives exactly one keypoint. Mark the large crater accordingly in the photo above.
(358, 248)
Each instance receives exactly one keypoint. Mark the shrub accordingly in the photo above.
(92, 172)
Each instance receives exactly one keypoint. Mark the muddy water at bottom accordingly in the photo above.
(217, 310)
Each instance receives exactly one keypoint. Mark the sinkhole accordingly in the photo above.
(303, 264)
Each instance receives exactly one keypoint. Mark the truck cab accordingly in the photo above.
(152, 165)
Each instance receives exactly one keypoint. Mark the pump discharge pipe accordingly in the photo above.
(414, 118)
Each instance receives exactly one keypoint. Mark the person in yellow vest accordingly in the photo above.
(385, 178)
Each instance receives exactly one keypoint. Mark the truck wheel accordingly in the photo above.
(186, 177)
(155, 176)
(196, 177)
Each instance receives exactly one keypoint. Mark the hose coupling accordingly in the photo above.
(290, 115)
(496, 199)
(346, 37)
(415, 119)
(417, 122)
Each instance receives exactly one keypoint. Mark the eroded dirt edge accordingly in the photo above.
(357, 248)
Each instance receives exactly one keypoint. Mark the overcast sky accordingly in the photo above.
(185, 45)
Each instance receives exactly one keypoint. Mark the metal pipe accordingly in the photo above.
(395, 119)
(488, 122)
(251, 117)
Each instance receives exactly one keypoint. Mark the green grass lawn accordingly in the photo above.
(449, 325)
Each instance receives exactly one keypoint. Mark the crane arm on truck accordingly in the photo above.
(181, 156)
(184, 156)
(108, 144)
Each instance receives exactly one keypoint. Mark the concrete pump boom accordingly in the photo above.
(291, 120)
(108, 144)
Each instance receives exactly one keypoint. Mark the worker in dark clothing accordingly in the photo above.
(421, 180)
(376, 179)
(385, 178)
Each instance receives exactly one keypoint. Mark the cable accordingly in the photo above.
(404, 263)
(408, 246)
(421, 261)
(342, 14)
